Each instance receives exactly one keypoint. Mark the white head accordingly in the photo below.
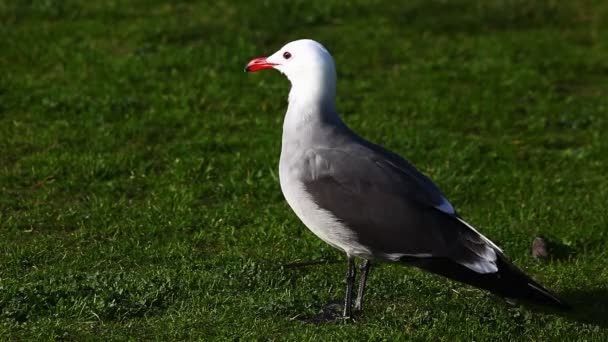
(309, 67)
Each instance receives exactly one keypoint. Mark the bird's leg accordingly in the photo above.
(350, 279)
(365, 267)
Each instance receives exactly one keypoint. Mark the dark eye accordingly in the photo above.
(286, 55)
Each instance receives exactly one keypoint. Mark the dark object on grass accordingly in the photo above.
(544, 248)
(369, 202)
(540, 248)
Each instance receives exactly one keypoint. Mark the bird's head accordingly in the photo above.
(306, 63)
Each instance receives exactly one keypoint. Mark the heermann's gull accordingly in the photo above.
(369, 202)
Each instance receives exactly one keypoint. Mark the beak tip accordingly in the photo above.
(257, 64)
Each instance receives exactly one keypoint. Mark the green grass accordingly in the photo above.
(138, 164)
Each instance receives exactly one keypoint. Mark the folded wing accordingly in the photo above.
(392, 208)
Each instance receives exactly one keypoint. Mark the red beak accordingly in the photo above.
(258, 64)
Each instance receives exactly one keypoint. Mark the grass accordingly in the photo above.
(139, 196)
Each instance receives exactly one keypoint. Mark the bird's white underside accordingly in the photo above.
(320, 221)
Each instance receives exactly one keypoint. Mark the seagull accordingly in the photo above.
(369, 202)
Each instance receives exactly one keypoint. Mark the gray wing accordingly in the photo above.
(393, 209)
(425, 190)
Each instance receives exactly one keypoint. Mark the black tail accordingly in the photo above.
(508, 282)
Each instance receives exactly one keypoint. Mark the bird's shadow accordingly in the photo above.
(590, 306)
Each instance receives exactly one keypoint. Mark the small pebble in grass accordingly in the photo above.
(540, 248)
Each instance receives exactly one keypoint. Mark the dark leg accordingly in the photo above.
(350, 279)
(365, 267)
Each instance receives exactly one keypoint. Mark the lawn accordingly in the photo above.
(139, 194)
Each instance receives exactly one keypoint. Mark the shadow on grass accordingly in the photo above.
(590, 306)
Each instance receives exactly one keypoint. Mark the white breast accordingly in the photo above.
(320, 221)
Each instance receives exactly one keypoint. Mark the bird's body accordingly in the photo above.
(299, 165)
(336, 184)
(368, 201)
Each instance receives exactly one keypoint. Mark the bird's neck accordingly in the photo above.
(311, 100)
(306, 111)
